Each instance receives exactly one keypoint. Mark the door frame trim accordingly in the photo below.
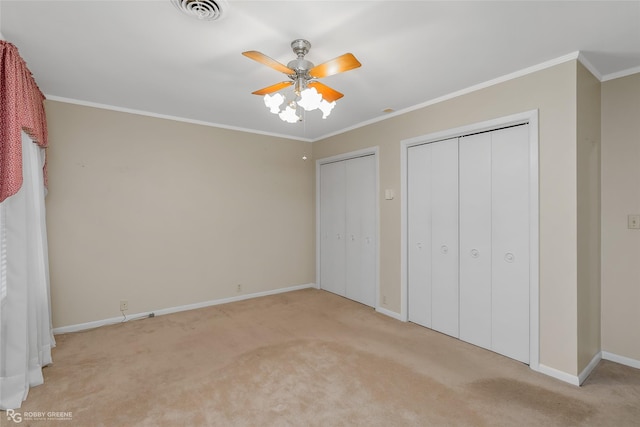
(530, 117)
(369, 151)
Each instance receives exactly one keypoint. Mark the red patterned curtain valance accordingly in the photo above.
(21, 108)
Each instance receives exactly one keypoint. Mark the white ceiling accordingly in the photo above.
(146, 56)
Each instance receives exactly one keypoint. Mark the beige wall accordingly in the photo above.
(620, 197)
(588, 160)
(553, 92)
(163, 213)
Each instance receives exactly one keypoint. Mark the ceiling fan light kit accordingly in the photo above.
(308, 94)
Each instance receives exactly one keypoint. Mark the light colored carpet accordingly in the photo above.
(310, 358)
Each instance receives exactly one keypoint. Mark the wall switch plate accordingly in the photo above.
(633, 222)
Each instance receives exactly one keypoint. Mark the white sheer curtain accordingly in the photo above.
(26, 336)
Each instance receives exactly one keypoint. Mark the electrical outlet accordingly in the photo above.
(633, 222)
(238, 288)
(124, 305)
(384, 300)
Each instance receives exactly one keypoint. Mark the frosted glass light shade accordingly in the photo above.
(310, 99)
(289, 115)
(274, 102)
(326, 108)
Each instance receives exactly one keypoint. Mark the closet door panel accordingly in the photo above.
(444, 236)
(369, 242)
(360, 229)
(475, 239)
(510, 239)
(332, 227)
(419, 234)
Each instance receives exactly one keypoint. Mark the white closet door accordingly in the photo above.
(510, 240)
(332, 227)
(475, 239)
(360, 229)
(419, 234)
(432, 186)
(444, 236)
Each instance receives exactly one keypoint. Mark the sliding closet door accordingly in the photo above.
(510, 241)
(475, 239)
(419, 233)
(432, 185)
(332, 227)
(360, 229)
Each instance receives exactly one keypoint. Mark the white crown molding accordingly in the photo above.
(589, 66)
(166, 117)
(604, 77)
(516, 74)
(619, 74)
(523, 72)
(577, 55)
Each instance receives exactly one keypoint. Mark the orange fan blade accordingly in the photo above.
(273, 88)
(337, 65)
(327, 93)
(269, 62)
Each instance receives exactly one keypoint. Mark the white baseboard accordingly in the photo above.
(578, 380)
(389, 313)
(621, 359)
(559, 375)
(590, 367)
(119, 319)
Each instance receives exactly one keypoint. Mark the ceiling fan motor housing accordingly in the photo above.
(300, 65)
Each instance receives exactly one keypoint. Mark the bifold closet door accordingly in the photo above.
(360, 229)
(494, 241)
(444, 237)
(419, 234)
(510, 242)
(432, 185)
(332, 227)
(475, 239)
(348, 228)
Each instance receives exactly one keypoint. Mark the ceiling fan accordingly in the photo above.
(309, 93)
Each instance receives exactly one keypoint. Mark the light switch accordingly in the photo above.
(388, 194)
(633, 222)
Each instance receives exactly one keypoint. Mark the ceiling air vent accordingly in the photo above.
(206, 10)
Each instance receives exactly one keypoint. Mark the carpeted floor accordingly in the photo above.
(309, 358)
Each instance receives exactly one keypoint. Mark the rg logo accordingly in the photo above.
(14, 416)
